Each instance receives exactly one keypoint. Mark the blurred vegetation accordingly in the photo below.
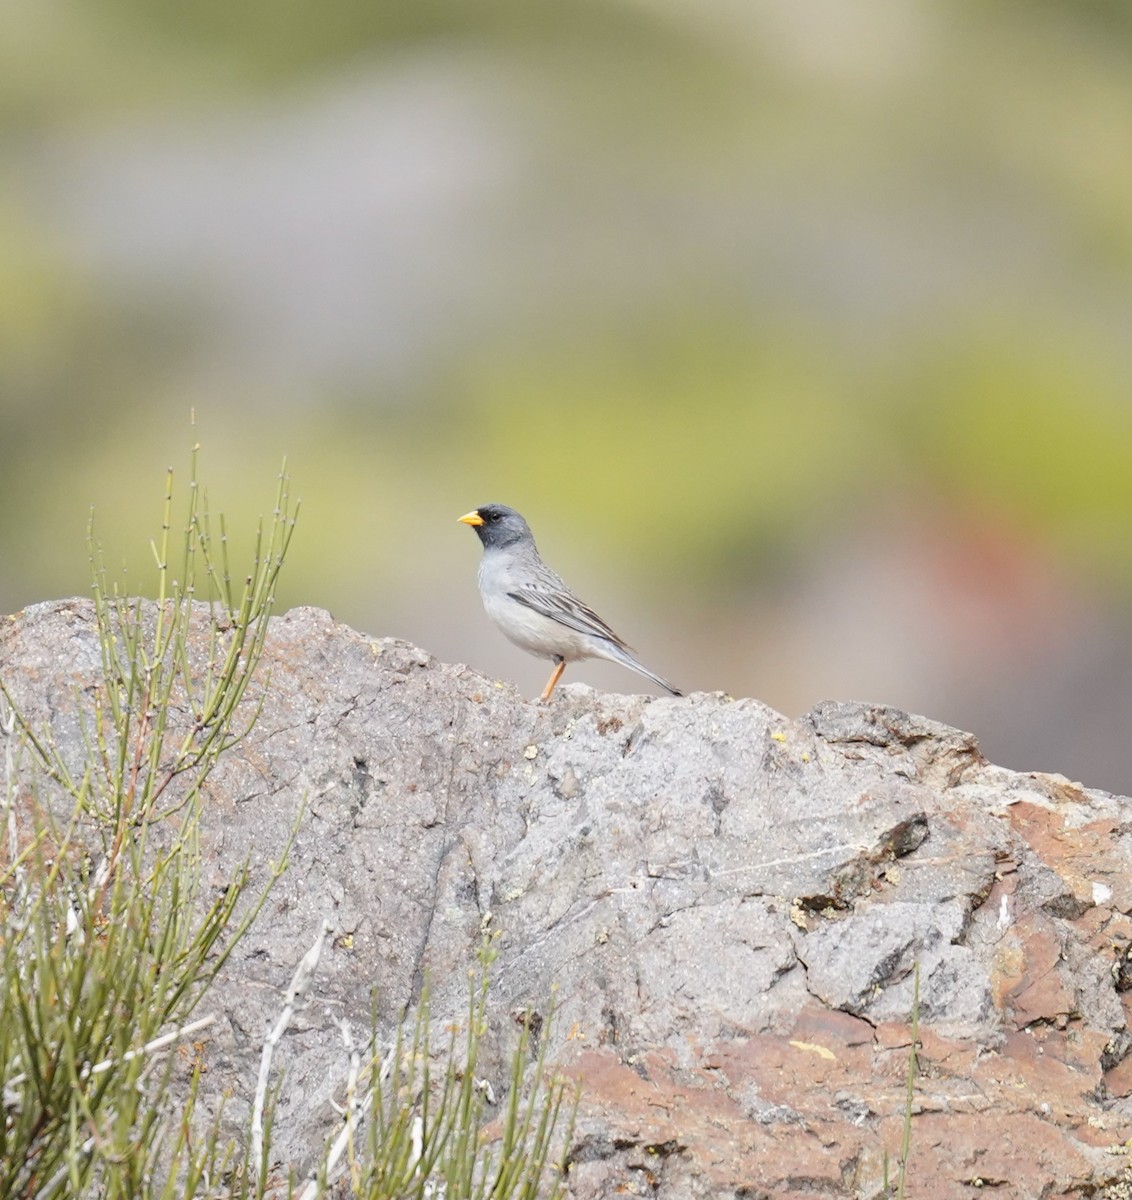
(714, 284)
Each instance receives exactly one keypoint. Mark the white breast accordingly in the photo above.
(533, 632)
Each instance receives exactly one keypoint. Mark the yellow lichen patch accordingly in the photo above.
(814, 1048)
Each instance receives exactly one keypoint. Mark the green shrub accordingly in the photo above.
(109, 944)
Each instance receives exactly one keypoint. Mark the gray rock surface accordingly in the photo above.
(729, 903)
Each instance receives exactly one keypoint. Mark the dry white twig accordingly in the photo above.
(60, 1176)
(7, 728)
(11, 1097)
(343, 1140)
(101, 878)
(158, 1043)
(416, 1142)
(300, 981)
(351, 1110)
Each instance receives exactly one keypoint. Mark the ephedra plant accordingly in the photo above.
(109, 941)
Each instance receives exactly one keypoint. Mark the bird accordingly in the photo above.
(533, 607)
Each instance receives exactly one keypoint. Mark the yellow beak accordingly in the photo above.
(472, 518)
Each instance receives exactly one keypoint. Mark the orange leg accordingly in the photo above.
(555, 676)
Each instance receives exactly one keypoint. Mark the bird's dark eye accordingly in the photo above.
(493, 516)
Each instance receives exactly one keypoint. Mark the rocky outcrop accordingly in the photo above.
(730, 904)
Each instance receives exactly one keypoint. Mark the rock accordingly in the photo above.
(730, 904)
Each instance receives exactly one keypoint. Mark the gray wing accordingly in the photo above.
(561, 605)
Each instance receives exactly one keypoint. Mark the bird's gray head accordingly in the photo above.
(498, 526)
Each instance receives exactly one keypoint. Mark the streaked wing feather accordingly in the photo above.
(566, 609)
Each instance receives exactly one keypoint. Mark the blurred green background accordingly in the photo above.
(801, 333)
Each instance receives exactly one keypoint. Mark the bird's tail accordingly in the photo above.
(621, 655)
